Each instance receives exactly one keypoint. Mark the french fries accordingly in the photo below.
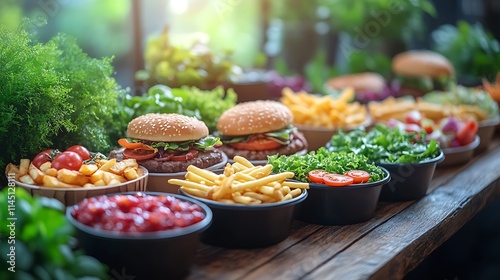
(396, 108)
(107, 173)
(325, 111)
(240, 183)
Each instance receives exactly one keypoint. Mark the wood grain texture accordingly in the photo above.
(388, 246)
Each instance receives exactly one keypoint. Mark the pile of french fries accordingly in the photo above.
(325, 111)
(396, 108)
(240, 183)
(103, 173)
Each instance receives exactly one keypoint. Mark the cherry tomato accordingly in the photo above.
(42, 157)
(67, 159)
(413, 117)
(337, 180)
(316, 176)
(185, 157)
(80, 150)
(126, 144)
(359, 176)
(139, 154)
(467, 132)
(256, 144)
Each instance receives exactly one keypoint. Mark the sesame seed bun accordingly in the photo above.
(359, 81)
(254, 117)
(417, 63)
(166, 128)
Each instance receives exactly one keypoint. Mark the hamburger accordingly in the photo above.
(169, 143)
(368, 86)
(257, 129)
(421, 71)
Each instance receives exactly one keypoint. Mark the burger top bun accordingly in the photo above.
(166, 128)
(359, 81)
(419, 63)
(254, 117)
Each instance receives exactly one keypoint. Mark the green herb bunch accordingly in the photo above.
(332, 162)
(384, 144)
(53, 95)
(41, 238)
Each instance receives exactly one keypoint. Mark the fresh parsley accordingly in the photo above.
(384, 144)
(332, 162)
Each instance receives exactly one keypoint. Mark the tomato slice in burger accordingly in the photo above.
(316, 176)
(128, 145)
(256, 144)
(359, 176)
(185, 157)
(337, 180)
(139, 154)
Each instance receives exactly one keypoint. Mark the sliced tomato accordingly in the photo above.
(139, 154)
(467, 132)
(337, 180)
(185, 157)
(359, 176)
(128, 145)
(316, 176)
(256, 144)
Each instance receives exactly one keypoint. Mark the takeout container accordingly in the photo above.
(71, 196)
(158, 182)
(486, 131)
(352, 204)
(144, 255)
(249, 226)
(409, 181)
(460, 155)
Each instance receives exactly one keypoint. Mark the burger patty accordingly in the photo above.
(296, 144)
(203, 160)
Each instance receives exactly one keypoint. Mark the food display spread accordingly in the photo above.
(184, 161)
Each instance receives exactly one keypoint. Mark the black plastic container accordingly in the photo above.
(250, 226)
(167, 253)
(409, 181)
(327, 205)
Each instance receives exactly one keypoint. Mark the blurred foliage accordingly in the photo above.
(397, 19)
(54, 95)
(472, 50)
(101, 27)
(175, 66)
(294, 10)
(11, 13)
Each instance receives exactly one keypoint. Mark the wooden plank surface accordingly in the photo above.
(394, 241)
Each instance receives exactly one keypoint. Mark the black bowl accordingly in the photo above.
(249, 226)
(144, 255)
(409, 181)
(327, 205)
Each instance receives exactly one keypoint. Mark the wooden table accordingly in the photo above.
(392, 243)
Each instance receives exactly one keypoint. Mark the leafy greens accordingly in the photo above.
(54, 95)
(332, 162)
(384, 144)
